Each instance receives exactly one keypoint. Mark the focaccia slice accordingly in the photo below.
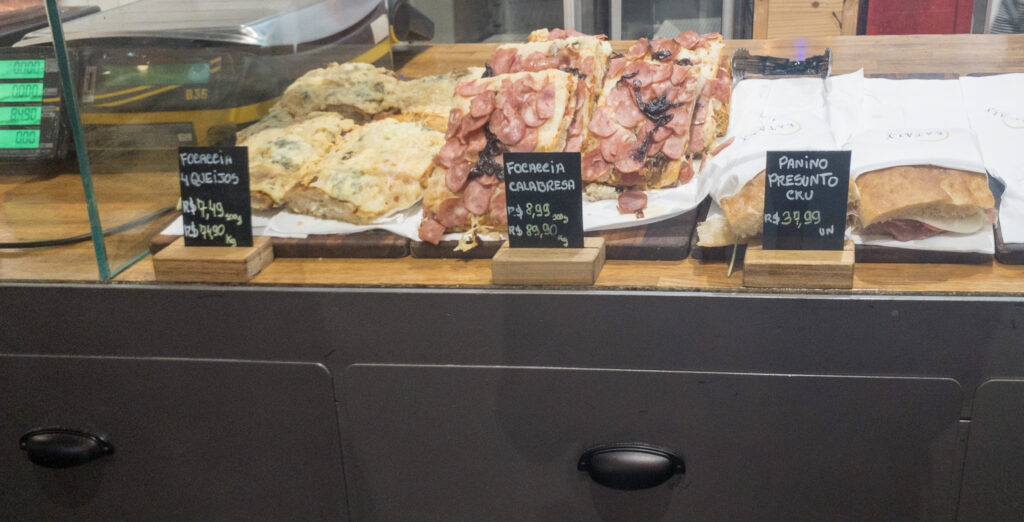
(275, 119)
(541, 35)
(280, 151)
(355, 90)
(583, 55)
(428, 99)
(363, 92)
(373, 171)
(640, 129)
(706, 54)
(517, 112)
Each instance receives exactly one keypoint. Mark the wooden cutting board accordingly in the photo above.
(372, 243)
(662, 241)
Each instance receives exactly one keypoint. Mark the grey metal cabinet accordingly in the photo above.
(502, 443)
(193, 440)
(993, 485)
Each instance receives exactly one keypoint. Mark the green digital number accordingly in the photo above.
(21, 115)
(21, 92)
(19, 139)
(22, 69)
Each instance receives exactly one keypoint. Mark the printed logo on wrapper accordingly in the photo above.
(805, 195)
(781, 127)
(773, 127)
(1009, 118)
(927, 135)
(215, 204)
(543, 193)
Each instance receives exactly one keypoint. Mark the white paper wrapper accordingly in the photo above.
(981, 242)
(913, 122)
(952, 148)
(996, 111)
(662, 204)
(917, 122)
(405, 223)
(782, 114)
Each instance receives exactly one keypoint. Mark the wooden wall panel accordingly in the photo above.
(796, 18)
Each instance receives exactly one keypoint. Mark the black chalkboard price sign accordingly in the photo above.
(805, 195)
(215, 201)
(544, 199)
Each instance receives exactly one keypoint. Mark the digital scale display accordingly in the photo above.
(22, 69)
(30, 123)
(19, 139)
(31, 115)
(21, 92)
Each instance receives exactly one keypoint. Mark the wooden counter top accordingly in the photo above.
(40, 207)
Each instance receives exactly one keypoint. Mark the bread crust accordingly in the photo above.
(716, 232)
(745, 209)
(261, 200)
(915, 191)
(357, 91)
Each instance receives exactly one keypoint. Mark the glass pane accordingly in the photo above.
(656, 18)
(41, 196)
(155, 75)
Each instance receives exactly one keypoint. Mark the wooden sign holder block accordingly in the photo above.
(549, 266)
(798, 268)
(215, 264)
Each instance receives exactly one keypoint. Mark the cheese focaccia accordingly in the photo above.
(517, 112)
(275, 119)
(583, 55)
(428, 99)
(278, 156)
(375, 170)
(363, 92)
(355, 90)
(430, 91)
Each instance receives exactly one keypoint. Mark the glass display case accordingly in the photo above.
(369, 362)
(304, 84)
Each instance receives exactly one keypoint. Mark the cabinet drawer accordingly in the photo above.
(993, 483)
(500, 443)
(193, 440)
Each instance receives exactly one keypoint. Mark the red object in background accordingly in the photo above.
(919, 16)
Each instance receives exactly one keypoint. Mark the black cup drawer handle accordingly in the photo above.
(630, 466)
(64, 448)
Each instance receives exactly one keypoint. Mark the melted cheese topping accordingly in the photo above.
(278, 156)
(379, 167)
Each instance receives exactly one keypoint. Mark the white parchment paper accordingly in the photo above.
(995, 107)
(917, 122)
